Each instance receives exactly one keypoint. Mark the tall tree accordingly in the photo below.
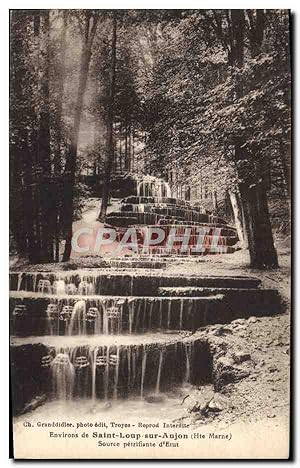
(253, 189)
(22, 119)
(59, 70)
(30, 135)
(46, 190)
(233, 28)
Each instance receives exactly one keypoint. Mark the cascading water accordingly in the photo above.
(112, 316)
(161, 355)
(93, 358)
(188, 355)
(86, 288)
(102, 346)
(181, 314)
(169, 315)
(63, 376)
(78, 319)
(160, 313)
(59, 287)
(117, 359)
(106, 374)
(114, 371)
(144, 363)
(109, 334)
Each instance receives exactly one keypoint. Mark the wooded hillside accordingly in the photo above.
(199, 97)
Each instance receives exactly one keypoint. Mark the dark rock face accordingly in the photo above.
(238, 358)
(28, 378)
(226, 372)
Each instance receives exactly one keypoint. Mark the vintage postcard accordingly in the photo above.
(150, 233)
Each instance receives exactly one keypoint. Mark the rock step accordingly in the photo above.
(121, 218)
(252, 301)
(106, 298)
(195, 291)
(123, 366)
(122, 283)
(29, 313)
(122, 314)
(148, 340)
(143, 264)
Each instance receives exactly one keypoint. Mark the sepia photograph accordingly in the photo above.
(150, 233)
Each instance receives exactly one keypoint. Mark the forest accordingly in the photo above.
(201, 98)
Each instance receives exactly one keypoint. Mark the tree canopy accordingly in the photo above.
(200, 97)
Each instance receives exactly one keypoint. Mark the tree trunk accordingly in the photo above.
(21, 160)
(59, 123)
(70, 168)
(252, 189)
(256, 30)
(110, 132)
(258, 225)
(47, 195)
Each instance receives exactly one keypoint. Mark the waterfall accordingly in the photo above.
(106, 374)
(131, 285)
(120, 318)
(169, 314)
(190, 310)
(133, 366)
(150, 315)
(20, 276)
(59, 287)
(52, 313)
(188, 356)
(129, 368)
(160, 313)
(63, 376)
(137, 317)
(87, 306)
(34, 277)
(112, 316)
(116, 374)
(78, 319)
(93, 357)
(157, 387)
(131, 316)
(181, 313)
(71, 288)
(144, 362)
(85, 288)
(144, 315)
(105, 319)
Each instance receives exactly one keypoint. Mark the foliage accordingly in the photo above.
(191, 87)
